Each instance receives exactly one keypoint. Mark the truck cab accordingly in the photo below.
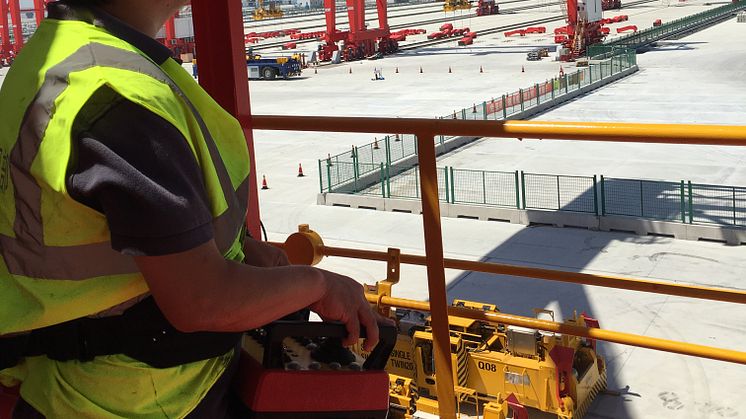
(266, 68)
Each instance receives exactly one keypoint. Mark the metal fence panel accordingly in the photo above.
(369, 156)
(468, 186)
(644, 198)
(558, 192)
(402, 146)
(379, 187)
(484, 187)
(405, 185)
(715, 204)
(501, 189)
(338, 174)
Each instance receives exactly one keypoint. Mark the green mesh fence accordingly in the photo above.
(653, 199)
(337, 173)
(484, 187)
(647, 36)
(407, 184)
(678, 201)
(713, 204)
(559, 192)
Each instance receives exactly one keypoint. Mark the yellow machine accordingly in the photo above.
(498, 369)
(272, 12)
(453, 5)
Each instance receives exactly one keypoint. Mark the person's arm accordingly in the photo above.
(144, 178)
(198, 290)
(263, 254)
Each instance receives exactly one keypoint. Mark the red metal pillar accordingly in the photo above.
(383, 18)
(39, 6)
(170, 29)
(15, 16)
(352, 17)
(4, 30)
(218, 27)
(330, 10)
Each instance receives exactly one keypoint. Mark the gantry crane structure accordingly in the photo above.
(273, 11)
(359, 41)
(9, 48)
(583, 28)
(177, 44)
(453, 5)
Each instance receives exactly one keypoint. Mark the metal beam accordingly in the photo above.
(607, 281)
(578, 131)
(218, 27)
(436, 278)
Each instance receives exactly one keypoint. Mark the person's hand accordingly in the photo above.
(344, 301)
(263, 255)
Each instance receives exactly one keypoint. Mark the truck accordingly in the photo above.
(537, 54)
(500, 369)
(266, 68)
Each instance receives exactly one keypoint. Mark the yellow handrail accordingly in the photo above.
(731, 135)
(597, 280)
(586, 332)
(426, 129)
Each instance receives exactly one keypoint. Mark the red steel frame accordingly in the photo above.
(12, 7)
(218, 30)
(359, 41)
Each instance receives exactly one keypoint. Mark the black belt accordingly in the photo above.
(142, 332)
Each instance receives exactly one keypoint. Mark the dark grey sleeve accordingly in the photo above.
(139, 171)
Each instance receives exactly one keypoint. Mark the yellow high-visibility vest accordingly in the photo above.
(56, 261)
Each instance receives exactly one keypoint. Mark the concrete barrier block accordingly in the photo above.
(560, 219)
(403, 205)
(730, 236)
(355, 201)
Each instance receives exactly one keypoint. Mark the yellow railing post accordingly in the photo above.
(436, 277)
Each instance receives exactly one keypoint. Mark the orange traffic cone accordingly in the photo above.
(264, 182)
(375, 143)
(523, 69)
(300, 170)
(449, 70)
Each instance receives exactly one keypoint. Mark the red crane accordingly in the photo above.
(8, 48)
(358, 41)
(583, 28)
(177, 43)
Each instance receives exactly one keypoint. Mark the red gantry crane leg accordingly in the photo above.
(39, 7)
(4, 32)
(15, 15)
(359, 41)
(583, 28)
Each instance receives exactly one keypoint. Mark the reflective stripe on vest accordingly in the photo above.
(23, 253)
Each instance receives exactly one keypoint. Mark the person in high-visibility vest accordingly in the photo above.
(126, 275)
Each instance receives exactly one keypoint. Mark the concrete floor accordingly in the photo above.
(698, 79)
